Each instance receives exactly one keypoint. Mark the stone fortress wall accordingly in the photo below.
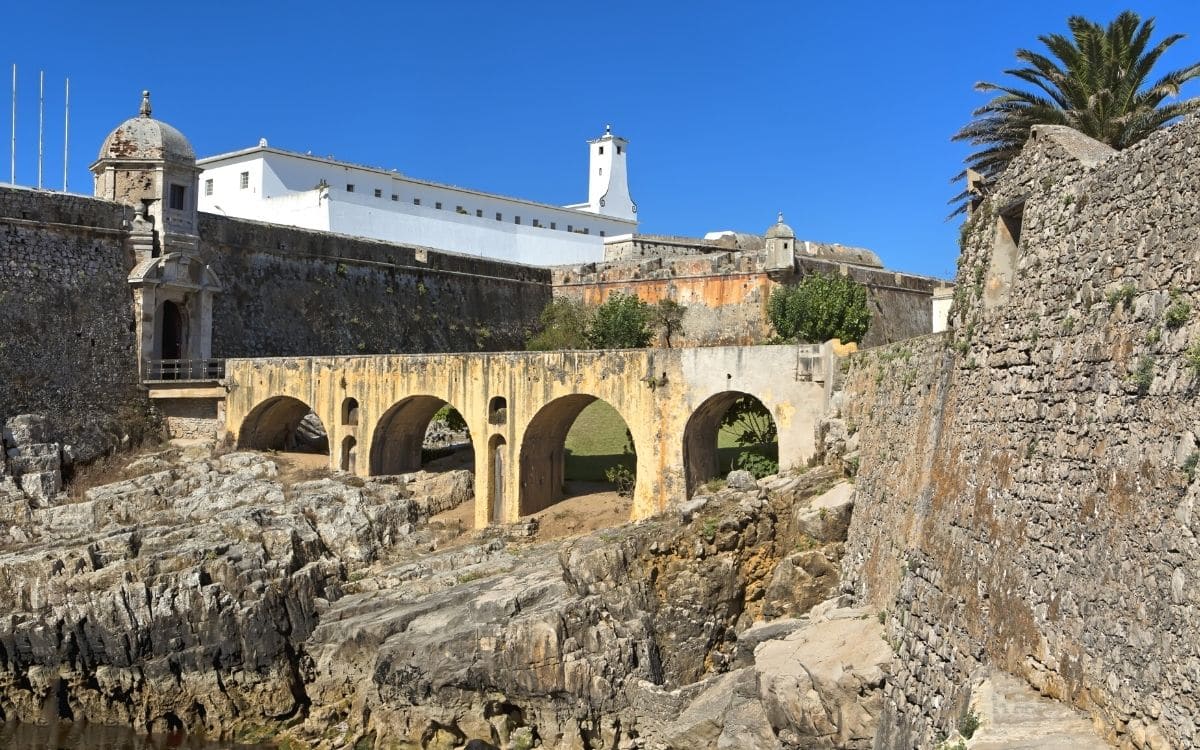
(726, 291)
(68, 349)
(1026, 498)
(69, 345)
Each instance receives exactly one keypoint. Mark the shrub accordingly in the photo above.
(1122, 296)
(750, 422)
(756, 463)
(622, 322)
(968, 724)
(1143, 377)
(623, 477)
(1192, 359)
(565, 325)
(819, 308)
(1177, 313)
(451, 417)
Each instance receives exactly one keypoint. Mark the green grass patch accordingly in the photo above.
(596, 443)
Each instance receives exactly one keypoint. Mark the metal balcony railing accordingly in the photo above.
(184, 369)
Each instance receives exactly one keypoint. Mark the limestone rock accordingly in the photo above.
(741, 480)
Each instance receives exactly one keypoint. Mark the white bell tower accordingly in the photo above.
(608, 180)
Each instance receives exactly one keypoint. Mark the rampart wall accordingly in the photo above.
(726, 294)
(291, 292)
(1027, 486)
(67, 345)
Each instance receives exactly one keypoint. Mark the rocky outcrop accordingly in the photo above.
(215, 594)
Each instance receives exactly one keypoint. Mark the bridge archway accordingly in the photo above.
(702, 454)
(283, 423)
(400, 435)
(543, 456)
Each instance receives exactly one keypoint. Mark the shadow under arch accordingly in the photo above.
(543, 451)
(282, 423)
(701, 452)
(400, 434)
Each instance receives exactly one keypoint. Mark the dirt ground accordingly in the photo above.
(588, 506)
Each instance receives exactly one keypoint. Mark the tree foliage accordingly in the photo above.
(622, 322)
(566, 324)
(819, 308)
(1097, 81)
(754, 429)
(666, 316)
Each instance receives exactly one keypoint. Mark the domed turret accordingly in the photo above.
(781, 246)
(143, 137)
(151, 167)
(779, 230)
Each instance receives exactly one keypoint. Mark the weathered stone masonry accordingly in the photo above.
(68, 349)
(1027, 490)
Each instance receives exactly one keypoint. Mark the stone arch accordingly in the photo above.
(349, 454)
(350, 411)
(701, 458)
(400, 434)
(496, 465)
(543, 451)
(283, 423)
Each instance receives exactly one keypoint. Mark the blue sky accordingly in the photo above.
(837, 113)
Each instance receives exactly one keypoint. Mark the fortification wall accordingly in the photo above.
(1027, 486)
(66, 339)
(726, 294)
(292, 292)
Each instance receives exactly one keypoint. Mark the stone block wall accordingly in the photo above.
(726, 294)
(290, 292)
(66, 336)
(1028, 482)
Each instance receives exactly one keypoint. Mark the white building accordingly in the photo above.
(268, 184)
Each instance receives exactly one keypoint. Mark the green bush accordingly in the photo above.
(623, 477)
(1177, 313)
(819, 308)
(622, 322)
(756, 463)
(565, 325)
(667, 317)
(451, 417)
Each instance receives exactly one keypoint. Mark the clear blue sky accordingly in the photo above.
(837, 113)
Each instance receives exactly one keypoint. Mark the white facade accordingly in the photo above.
(283, 187)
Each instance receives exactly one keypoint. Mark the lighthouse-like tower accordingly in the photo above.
(608, 178)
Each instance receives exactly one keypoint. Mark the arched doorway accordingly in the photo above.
(571, 447)
(285, 424)
(729, 430)
(496, 451)
(170, 342)
(349, 454)
(403, 439)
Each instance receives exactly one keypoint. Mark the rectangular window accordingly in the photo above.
(244, 180)
(349, 187)
(517, 220)
(601, 150)
(499, 216)
(378, 193)
(553, 225)
(395, 197)
(570, 228)
(586, 230)
(437, 205)
(208, 187)
(416, 201)
(479, 212)
(178, 193)
(601, 232)
(535, 223)
(618, 150)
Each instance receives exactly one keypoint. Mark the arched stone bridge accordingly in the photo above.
(519, 407)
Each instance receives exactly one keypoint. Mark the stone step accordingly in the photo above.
(1013, 716)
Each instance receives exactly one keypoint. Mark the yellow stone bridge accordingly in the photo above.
(519, 406)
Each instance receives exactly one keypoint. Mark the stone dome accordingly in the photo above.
(143, 137)
(780, 230)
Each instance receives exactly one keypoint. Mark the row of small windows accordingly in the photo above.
(244, 182)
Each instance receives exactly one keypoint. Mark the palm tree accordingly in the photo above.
(1096, 81)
